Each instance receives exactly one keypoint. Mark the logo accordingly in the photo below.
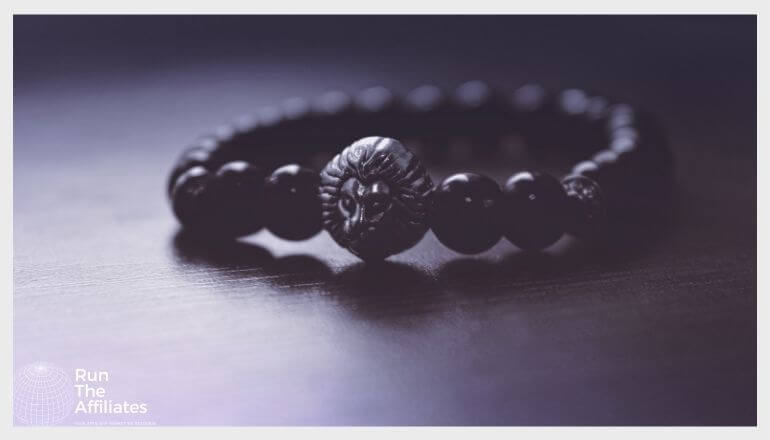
(93, 398)
(42, 395)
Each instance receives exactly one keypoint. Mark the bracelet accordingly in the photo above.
(375, 197)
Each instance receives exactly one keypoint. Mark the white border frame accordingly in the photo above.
(390, 7)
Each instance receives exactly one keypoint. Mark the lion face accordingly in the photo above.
(375, 197)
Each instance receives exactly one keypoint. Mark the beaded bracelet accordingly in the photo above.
(376, 199)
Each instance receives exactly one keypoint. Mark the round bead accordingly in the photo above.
(224, 204)
(605, 158)
(377, 111)
(597, 108)
(291, 196)
(618, 174)
(528, 98)
(200, 154)
(535, 111)
(586, 208)
(625, 141)
(575, 127)
(608, 162)
(246, 122)
(465, 215)
(620, 115)
(224, 132)
(587, 168)
(240, 204)
(193, 200)
(637, 149)
(573, 102)
(481, 110)
(295, 108)
(473, 94)
(534, 206)
(424, 99)
(332, 103)
(427, 110)
(375, 99)
(335, 120)
(269, 117)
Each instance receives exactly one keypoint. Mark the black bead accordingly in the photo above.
(246, 123)
(292, 133)
(333, 103)
(335, 120)
(466, 211)
(632, 160)
(194, 200)
(201, 153)
(269, 117)
(586, 207)
(375, 100)
(265, 127)
(644, 152)
(620, 177)
(528, 98)
(535, 113)
(573, 102)
(609, 173)
(534, 210)
(225, 133)
(240, 199)
(425, 99)
(295, 109)
(293, 207)
(598, 107)
(572, 118)
(587, 168)
(650, 133)
(479, 111)
(624, 139)
(620, 115)
(378, 110)
(225, 204)
(427, 112)
(473, 95)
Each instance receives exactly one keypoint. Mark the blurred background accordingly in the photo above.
(657, 331)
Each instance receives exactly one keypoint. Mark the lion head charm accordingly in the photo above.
(375, 197)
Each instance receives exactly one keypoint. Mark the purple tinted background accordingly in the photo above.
(663, 332)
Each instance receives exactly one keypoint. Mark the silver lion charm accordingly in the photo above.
(375, 198)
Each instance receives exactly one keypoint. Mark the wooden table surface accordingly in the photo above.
(659, 329)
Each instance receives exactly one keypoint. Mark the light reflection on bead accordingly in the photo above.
(597, 108)
(375, 99)
(295, 108)
(528, 98)
(466, 213)
(424, 98)
(291, 197)
(533, 206)
(586, 210)
(573, 101)
(473, 94)
(332, 103)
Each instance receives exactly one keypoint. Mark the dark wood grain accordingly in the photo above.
(658, 329)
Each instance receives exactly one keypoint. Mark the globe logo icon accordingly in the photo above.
(42, 395)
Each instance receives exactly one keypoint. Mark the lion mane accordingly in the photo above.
(370, 160)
